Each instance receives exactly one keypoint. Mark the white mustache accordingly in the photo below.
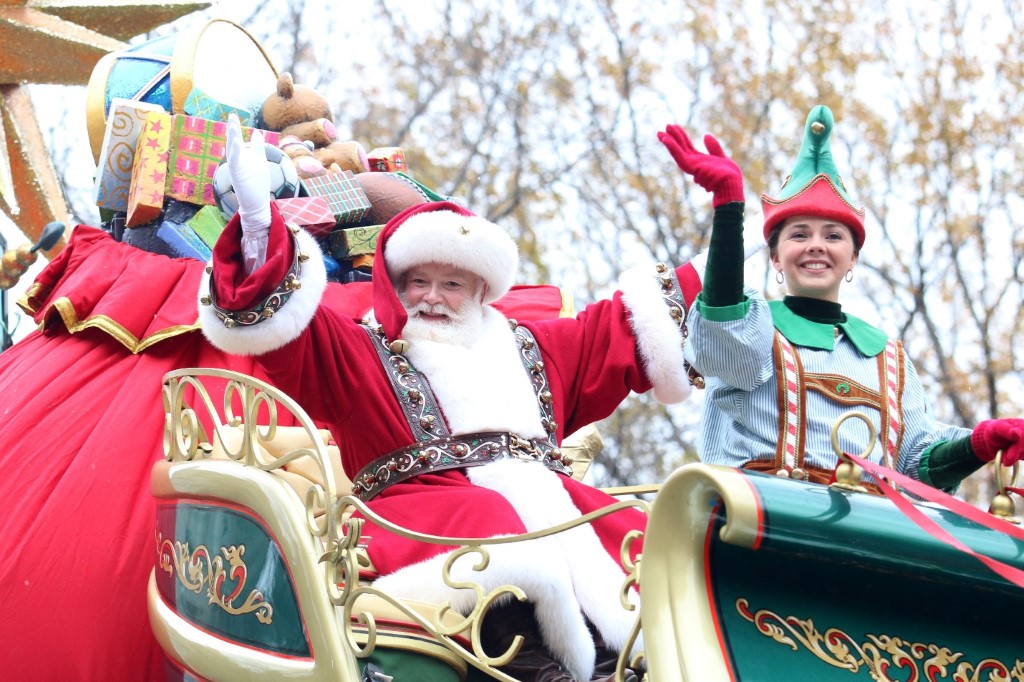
(434, 309)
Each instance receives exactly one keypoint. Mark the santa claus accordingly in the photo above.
(448, 415)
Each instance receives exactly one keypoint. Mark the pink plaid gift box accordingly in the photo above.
(312, 213)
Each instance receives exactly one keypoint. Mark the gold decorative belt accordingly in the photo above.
(454, 452)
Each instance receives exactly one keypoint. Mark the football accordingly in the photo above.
(284, 180)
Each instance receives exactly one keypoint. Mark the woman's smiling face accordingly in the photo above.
(814, 254)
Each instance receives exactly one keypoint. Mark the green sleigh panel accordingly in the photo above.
(747, 576)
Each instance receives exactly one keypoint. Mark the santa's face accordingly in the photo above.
(436, 293)
(814, 254)
(441, 301)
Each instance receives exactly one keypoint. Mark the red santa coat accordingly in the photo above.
(593, 361)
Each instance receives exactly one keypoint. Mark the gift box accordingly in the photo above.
(207, 224)
(350, 275)
(312, 213)
(182, 242)
(387, 160)
(201, 105)
(349, 242)
(344, 196)
(117, 152)
(363, 262)
(197, 147)
(149, 172)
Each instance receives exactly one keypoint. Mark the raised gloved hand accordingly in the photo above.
(993, 435)
(250, 179)
(715, 171)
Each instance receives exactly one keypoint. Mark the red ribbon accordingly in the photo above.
(926, 492)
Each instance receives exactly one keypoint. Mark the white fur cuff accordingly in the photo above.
(658, 338)
(286, 325)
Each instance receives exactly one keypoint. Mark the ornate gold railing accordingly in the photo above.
(336, 522)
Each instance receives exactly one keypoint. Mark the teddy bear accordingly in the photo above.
(300, 112)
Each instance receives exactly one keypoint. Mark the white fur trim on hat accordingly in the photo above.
(286, 325)
(658, 338)
(468, 242)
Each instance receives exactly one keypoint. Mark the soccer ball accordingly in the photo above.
(284, 180)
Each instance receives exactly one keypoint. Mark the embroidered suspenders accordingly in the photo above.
(435, 448)
(793, 383)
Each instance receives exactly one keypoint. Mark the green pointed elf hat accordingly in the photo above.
(814, 188)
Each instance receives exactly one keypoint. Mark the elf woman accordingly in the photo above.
(779, 374)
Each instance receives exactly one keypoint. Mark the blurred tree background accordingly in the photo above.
(543, 115)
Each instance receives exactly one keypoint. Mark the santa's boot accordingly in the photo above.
(604, 671)
(533, 663)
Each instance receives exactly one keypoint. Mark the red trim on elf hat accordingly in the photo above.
(439, 232)
(820, 199)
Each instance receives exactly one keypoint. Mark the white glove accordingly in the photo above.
(250, 178)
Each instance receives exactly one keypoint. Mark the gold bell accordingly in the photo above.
(398, 346)
(848, 477)
(1002, 507)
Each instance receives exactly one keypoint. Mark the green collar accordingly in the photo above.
(801, 331)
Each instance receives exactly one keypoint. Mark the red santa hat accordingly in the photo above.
(446, 233)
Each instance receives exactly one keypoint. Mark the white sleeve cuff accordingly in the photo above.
(288, 322)
(659, 340)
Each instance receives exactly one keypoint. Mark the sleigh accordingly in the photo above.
(259, 570)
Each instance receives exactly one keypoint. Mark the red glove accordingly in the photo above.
(715, 171)
(993, 435)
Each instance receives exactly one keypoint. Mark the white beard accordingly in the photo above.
(463, 326)
(477, 376)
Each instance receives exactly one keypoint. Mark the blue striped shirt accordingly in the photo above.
(733, 348)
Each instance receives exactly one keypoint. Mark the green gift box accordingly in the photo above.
(350, 242)
(208, 223)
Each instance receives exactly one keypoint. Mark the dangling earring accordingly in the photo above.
(779, 277)
(849, 275)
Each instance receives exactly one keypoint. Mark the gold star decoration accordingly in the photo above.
(58, 42)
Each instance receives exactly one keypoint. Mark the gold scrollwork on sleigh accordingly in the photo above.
(446, 625)
(878, 653)
(197, 419)
(198, 568)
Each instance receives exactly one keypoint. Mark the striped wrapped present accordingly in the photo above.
(343, 194)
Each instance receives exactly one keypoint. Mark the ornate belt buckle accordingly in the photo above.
(521, 448)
